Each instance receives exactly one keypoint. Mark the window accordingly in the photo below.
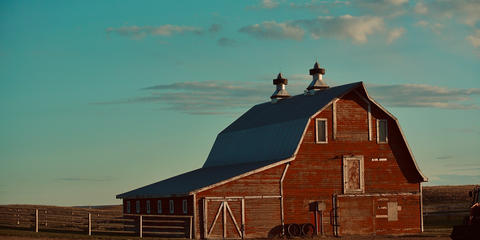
(353, 174)
(184, 206)
(321, 126)
(128, 206)
(382, 133)
(159, 206)
(148, 206)
(137, 206)
(172, 207)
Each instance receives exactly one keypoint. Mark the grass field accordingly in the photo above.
(444, 207)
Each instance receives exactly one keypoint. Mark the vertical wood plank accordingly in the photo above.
(141, 226)
(195, 215)
(334, 119)
(321, 222)
(36, 219)
(205, 213)
(224, 220)
(89, 224)
(243, 218)
(190, 231)
(421, 207)
(369, 122)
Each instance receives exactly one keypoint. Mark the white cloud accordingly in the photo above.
(420, 8)
(397, 2)
(423, 95)
(346, 26)
(300, 77)
(274, 30)
(436, 27)
(385, 8)
(474, 39)
(395, 34)
(421, 23)
(206, 97)
(231, 97)
(319, 5)
(268, 4)
(139, 32)
(466, 11)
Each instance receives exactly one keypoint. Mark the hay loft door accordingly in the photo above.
(353, 181)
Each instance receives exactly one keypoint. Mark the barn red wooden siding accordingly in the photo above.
(389, 204)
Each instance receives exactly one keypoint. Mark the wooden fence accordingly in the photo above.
(92, 221)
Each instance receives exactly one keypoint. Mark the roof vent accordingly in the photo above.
(317, 81)
(280, 92)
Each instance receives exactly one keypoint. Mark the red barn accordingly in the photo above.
(331, 157)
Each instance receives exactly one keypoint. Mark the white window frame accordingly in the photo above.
(148, 206)
(378, 130)
(362, 177)
(171, 206)
(128, 206)
(159, 206)
(316, 130)
(137, 206)
(184, 206)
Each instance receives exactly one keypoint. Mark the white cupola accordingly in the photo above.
(317, 81)
(280, 91)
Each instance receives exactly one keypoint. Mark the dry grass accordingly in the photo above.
(444, 206)
(446, 198)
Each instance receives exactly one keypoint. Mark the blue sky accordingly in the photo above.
(100, 97)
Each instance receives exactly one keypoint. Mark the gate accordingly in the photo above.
(227, 217)
(224, 218)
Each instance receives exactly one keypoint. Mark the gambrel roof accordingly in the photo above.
(270, 131)
(265, 136)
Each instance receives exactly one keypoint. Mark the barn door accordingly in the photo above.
(353, 174)
(223, 218)
(356, 215)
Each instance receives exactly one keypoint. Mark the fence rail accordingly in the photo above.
(96, 221)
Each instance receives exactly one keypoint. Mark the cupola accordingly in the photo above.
(317, 81)
(280, 91)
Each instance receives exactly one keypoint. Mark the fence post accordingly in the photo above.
(141, 226)
(36, 219)
(190, 231)
(89, 224)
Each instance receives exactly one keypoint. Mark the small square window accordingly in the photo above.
(382, 131)
(128, 206)
(159, 206)
(172, 206)
(184, 206)
(321, 130)
(148, 206)
(137, 206)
